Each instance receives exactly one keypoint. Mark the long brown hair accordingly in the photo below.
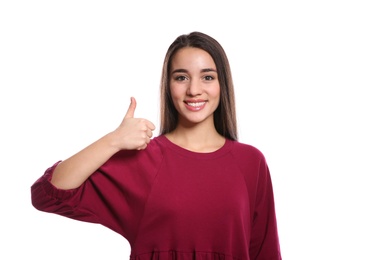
(225, 115)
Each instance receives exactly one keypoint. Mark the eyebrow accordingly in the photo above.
(185, 71)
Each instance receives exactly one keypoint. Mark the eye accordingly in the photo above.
(208, 78)
(180, 78)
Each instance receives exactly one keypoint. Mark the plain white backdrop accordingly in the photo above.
(307, 76)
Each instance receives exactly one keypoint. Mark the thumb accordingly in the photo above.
(131, 108)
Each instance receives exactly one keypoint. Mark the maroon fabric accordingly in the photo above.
(171, 203)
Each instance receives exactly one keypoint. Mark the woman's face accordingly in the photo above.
(194, 85)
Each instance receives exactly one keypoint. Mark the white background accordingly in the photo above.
(307, 76)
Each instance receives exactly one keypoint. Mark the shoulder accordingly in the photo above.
(250, 160)
(151, 155)
(246, 151)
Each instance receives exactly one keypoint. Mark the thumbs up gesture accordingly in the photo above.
(133, 133)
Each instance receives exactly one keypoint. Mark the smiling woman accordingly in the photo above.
(194, 191)
(195, 93)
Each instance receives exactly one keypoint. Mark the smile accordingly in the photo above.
(195, 106)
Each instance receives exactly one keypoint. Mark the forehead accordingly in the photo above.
(192, 57)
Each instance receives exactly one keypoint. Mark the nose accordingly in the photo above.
(194, 88)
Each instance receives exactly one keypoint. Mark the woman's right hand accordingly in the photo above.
(133, 133)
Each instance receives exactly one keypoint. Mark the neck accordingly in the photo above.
(197, 138)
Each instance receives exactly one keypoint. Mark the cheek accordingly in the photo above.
(215, 92)
(174, 93)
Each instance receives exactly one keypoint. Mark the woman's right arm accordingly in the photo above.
(132, 134)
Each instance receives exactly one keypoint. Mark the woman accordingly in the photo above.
(193, 191)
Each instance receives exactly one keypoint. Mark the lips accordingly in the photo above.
(195, 105)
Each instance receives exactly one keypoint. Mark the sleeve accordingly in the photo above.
(113, 196)
(264, 244)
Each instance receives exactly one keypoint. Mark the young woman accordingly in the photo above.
(194, 191)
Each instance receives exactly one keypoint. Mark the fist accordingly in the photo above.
(133, 133)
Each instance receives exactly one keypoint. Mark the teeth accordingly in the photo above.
(197, 104)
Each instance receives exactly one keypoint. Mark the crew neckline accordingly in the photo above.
(225, 148)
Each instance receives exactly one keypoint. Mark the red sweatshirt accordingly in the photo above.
(170, 203)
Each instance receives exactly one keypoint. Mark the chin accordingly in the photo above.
(195, 120)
